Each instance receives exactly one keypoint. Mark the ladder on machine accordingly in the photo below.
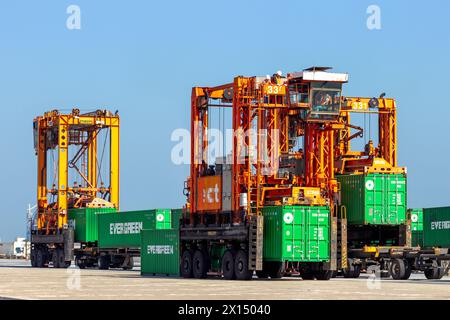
(342, 239)
(255, 243)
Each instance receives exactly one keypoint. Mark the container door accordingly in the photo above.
(417, 220)
(396, 199)
(274, 239)
(318, 233)
(292, 224)
(374, 199)
(391, 201)
(301, 241)
(384, 195)
(312, 229)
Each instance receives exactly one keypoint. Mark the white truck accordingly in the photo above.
(21, 248)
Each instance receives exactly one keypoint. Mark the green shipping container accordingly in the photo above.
(416, 216)
(377, 199)
(163, 219)
(177, 215)
(160, 252)
(122, 229)
(416, 219)
(296, 233)
(417, 238)
(436, 227)
(84, 222)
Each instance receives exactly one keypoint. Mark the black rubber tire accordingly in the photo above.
(262, 274)
(408, 270)
(58, 258)
(323, 274)
(103, 262)
(40, 258)
(275, 270)
(33, 258)
(397, 269)
(347, 273)
(130, 264)
(429, 273)
(80, 263)
(441, 273)
(353, 271)
(46, 259)
(434, 273)
(208, 259)
(55, 259)
(241, 266)
(228, 265)
(356, 271)
(307, 274)
(199, 264)
(186, 264)
(385, 274)
(334, 274)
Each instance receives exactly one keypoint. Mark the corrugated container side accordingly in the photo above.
(352, 197)
(160, 252)
(272, 239)
(417, 238)
(77, 220)
(378, 199)
(123, 229)
(436, 227)
(85, 224)
(177, 215)
(296, 233)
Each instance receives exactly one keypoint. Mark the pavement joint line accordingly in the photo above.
(29, 283)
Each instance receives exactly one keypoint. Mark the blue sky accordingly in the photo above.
(143, 57)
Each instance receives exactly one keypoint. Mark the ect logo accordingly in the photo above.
(211, 195)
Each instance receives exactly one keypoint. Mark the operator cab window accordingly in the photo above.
(325, 100)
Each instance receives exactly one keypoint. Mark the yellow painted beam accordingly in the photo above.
(114, 164)
(92, 164)
(41, 172)
(63, 142)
